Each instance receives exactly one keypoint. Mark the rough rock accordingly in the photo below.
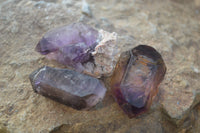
(181, 92)
(171, 27)
(106, 54)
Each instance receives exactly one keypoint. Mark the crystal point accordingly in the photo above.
(68, 87)
(69, 44)
(136, 79)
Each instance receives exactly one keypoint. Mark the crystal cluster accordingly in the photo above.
(136, 79)
(135, 75)
(68, 87)
(82, 48)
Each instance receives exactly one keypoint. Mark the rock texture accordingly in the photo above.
(171, 27)
(106, 54)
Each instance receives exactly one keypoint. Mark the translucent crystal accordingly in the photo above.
(68, 87)
(136, 79)
(70, 44)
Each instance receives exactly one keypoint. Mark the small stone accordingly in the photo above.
(136, 79)
(106, 53)
(68, 87)
(86, 9)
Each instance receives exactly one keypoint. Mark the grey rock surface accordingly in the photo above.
(172, 27)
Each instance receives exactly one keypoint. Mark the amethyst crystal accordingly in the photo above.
(68, 87)
(136, 79)
(70, 45)
(81, 48)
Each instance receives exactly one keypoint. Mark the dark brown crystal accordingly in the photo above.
(136, 79)
(68, 87)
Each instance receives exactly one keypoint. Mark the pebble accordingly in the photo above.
(86, 9)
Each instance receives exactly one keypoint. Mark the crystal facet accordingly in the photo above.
(70, 44)
(136, 78)
(81, 48)
(68, 87)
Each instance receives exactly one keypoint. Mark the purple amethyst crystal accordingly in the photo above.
(69, 45)
(68, 87)
(136, 79)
